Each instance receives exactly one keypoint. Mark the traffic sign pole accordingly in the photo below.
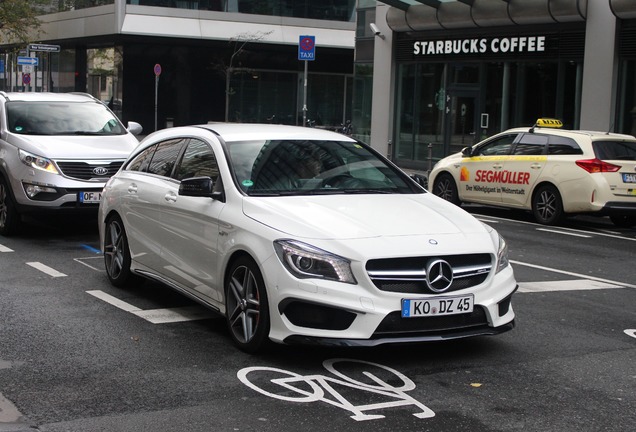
(157, 71)
(306, 53)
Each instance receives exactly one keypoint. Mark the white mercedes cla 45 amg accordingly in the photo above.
(300, 235)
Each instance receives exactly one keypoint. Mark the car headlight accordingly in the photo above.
(37, 162)
(502, 248)
(306, 261)
(502, 255)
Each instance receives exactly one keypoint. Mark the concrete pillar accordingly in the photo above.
(599, 69)
(383, 100)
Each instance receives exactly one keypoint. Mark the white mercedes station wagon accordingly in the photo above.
(302, 236)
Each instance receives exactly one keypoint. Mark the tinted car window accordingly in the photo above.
(198, 161)
(531, 144)
(141, 161)
(559, 145)
(313, 167)
(165, 157)
(615, 150)
(498, 146)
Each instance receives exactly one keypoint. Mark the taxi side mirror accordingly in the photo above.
(467, 151)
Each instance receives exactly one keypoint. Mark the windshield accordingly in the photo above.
(615, 150)
(307, 167)
(61, 118)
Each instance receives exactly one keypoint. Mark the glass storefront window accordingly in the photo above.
(627, 98)
(362, 100)
(336, 10)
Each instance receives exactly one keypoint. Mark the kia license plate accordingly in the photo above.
(90, 197)
(438, 306)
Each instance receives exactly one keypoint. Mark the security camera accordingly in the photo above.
(374, 28)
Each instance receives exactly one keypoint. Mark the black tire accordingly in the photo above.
(623, 221)
(247, 307)
(9, 216)
(445, 187)
(117, 254)
(547, 205)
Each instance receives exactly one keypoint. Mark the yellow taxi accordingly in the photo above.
(546, 169)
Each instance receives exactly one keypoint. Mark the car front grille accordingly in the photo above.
(93, 170)
(393, 324)
(408, 275)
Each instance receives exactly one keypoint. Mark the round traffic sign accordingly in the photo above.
(307, 44)
(26, 79)
(157, 69)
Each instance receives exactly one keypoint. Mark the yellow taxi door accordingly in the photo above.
(522, 169)
(480, 173)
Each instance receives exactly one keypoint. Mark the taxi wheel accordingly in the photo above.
(547, 205)
(445, 187)
(117, 254)
(623, 221)
(9, 217)
(246, 306)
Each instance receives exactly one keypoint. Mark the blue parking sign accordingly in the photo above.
(1, 66)
(307, 48)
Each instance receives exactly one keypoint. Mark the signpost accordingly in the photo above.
(306, 53)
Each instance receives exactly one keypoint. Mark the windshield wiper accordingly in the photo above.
(370, 191)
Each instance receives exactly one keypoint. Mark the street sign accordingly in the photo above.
(307, 48)
(157, 69)
(32, 61)
(1, 66)
(44, 48)
(26, 79)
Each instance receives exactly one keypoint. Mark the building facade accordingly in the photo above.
(447, 74)
(167, 62)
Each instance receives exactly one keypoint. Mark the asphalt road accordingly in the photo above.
(77, 354)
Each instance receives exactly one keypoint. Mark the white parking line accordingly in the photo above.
(157, 316)
(578, 275)
(46, 269)
(565, 285)
(5, 249)
(564, 233)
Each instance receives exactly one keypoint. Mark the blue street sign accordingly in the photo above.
(1, 66)
(30, 61)
(307, 48)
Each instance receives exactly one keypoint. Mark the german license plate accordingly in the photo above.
(90, 197)
(412, 308)
(629, 178)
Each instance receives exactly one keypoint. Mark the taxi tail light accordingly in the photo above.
(597, 166)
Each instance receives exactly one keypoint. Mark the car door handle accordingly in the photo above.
(535, 166)
(170, 197)
(497, 166)
(132, 189)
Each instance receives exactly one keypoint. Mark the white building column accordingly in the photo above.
(383, 100)
(598, 99)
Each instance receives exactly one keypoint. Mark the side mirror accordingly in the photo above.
(199, 187)
(134, 128)
(420, 180)
(467, 151)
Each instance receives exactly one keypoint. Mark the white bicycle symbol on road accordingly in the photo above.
(321, 388)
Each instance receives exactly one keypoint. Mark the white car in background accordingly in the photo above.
(545, 169)
(300, 235)
(56, 152)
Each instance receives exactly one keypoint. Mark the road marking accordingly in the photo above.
(8, 412)
(5, 249)
(157, 316)
(81, 261)
(46, 269)
(578, 275)
(564, 233)
(565, 285)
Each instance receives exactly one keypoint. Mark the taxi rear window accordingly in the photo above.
(563, 146)
(615, 150)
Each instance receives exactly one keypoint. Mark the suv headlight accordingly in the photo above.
(37, 162)
(306, 261)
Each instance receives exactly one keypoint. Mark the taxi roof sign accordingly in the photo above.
(549, 123)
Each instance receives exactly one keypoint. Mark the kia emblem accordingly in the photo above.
(100, 171)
